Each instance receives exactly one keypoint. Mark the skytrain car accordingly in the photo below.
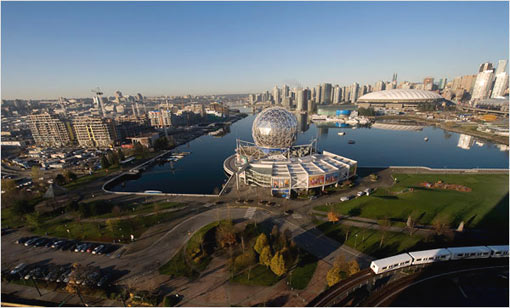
(391, 263)
(429, 256)
(474, 252)
(499, 251)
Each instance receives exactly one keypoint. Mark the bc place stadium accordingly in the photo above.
(273, 161)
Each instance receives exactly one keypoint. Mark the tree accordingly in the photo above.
(161, 144)
(69, 175)
(332, 217)
(116, 210)
(60, 179)
(113, 158)
(278, 266)
(225, 234)
(34, 220)
(104, 162)
(265, 256)
(245, 259)
(22, 205)
(260, 243)
(35, 174)
(441, 224)
(335, 275)
(121, 154)
(384, 226)
(139, 150)
(111, 224)
(353, 267)
(8, 186)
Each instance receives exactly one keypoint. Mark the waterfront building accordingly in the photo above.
(354, 92)
(160, 118)
(442, 83)
(318, 94)
(274, 162)
(95, 132)
(379, 86)
(337, 94)
(483, 85)
(285, 91)
(500, 85)
(50, 131)
(326, 94)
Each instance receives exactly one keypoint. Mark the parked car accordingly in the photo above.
(18, 268)
(98, 249)
(360, 193)
(343, 199)
(64, 275)
(80, 248)
(31, 241)
(50, 242)
(23, 240)
(90, 248)
(42, 242)
(68, 245)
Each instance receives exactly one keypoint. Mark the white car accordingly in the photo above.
(360, 193)
(343, 199)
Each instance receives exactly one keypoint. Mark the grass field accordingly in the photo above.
(259, 276)
(488, 198)
(368, 240)
(301, 275)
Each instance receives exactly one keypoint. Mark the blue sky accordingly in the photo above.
(52, 49)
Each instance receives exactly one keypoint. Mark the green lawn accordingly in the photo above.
(488, 198)
(141, 209)
(178, 267)
(100, 231)
(89, 178)
(259, 276)
(301, 275)
(368, 240)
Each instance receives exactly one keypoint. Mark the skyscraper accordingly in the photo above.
(285, 91)
(428, 83)
(501, 67)
(276, 95)
(379, 86)
(354, 92)
(485, 67)
(318, 94)
(483, 85)
(326, 94)
(301, 100)
(500, 85)
(337, 94)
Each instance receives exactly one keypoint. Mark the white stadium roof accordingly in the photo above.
(400, 95)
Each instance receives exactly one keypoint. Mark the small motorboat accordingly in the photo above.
(341, 133)
(426, 139)
(351, 142)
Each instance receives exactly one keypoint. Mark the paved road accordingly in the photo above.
(147, 261)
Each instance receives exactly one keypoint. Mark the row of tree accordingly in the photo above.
(112, 158)
(278, 252)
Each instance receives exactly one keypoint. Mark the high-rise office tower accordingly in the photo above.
(49, 131)
(318, 94)
(285, 91)
(95, 132)
(337, 93)
(310, 106)
(501, 67)
(354, 92)
(500, 85)
(326, 93)
(379, 86)
(276, 95)
(485, 67)
(301, 100)
(483, 85)
(428, 83)
(394, 78)
(442, 83)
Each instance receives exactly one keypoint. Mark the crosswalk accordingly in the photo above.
(250, 212)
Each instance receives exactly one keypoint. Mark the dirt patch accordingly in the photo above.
(446, 186)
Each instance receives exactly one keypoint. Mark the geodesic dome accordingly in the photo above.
(274, 128)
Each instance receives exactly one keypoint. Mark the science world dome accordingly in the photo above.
(275, 128)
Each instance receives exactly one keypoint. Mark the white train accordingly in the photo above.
(438, 255)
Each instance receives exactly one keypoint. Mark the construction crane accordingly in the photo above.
(99, 100)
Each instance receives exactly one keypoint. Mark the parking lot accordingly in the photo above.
(66, 245)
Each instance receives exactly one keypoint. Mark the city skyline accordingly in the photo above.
(239, 48)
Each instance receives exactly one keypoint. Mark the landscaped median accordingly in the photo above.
(252, 256)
